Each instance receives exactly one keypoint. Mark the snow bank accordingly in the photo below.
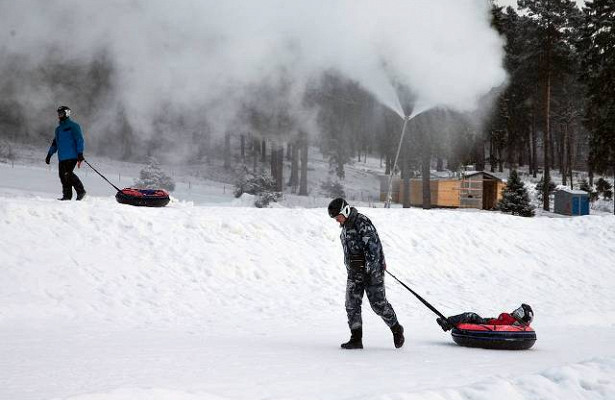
(99, 260)
(592, 379)
(102, 301)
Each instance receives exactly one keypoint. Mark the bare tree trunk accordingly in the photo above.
(273, 161)
(528, 148)
(227, 150)
(303, 186)
(263, 150)
(520, 150)
(480, 155)
(552, 148)
(491, 152)
(387, 163)
(293, 182)
(405, 175)
(590, 175)
(534, 137)
(277, 164)
(565, 155)
(570, 156)
(280, 169)
(547, 132)
(243, 148)
(425, 172)
(255, 156)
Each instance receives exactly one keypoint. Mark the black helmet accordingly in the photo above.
(524, 314)
(339, 206)
(64, 112)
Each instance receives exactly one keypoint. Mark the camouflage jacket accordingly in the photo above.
(362, 247)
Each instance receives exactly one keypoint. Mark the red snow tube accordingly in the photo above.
(501, 337)
(143, 197)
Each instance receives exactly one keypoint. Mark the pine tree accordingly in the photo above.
(597, 48)
(515, 199)
(540, 190)
(586, 187)
(261, 185)
(152, 177)
(554, 19)
(332, 189)
(604, 187)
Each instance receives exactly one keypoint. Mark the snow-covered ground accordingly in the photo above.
(209, 299)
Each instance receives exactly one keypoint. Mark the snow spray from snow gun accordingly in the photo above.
(417, 110)
(432, 308)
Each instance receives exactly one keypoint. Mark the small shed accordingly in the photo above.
(444, 192)
(475, 190)
(571, 202)
(480, 189)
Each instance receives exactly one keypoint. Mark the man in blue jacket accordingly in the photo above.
(68, 142)
(365, 265)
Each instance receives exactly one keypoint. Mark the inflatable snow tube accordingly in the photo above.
(500, 337)
(143, 197)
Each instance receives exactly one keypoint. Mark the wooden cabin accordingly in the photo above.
(476, 189)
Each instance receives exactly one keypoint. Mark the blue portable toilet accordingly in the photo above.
(571, 202)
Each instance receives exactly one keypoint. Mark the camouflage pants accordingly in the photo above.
(373, 284)
(468, 318)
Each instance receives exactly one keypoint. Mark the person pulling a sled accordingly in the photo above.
(69, 144)
(364, 260)
(522, 316)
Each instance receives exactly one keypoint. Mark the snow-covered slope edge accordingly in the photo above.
(104, 261)
(591, 379)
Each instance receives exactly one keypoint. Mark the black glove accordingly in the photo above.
(47, 159)
(80, 157)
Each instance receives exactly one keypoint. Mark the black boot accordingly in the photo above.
(355, 342)
(67, 193)
(78, 187)
(398, 335)
(444, 324)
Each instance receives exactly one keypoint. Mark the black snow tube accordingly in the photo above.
(143, 197)
(500, 337)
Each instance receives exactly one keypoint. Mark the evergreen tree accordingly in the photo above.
(586, 187)
(554, 19)
(261, 185)
(605, 188)
(152, 177)
(332, 189)
(597, 48)
(515, 199)
(540, 190)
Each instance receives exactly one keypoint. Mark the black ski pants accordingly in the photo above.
(69, 179)
(468, 318)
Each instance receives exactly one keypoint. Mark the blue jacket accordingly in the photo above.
(361, 243)
(68, 141)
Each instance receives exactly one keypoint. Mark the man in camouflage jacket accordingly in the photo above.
(365, 265)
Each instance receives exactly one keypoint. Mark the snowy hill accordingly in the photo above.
(102, 301)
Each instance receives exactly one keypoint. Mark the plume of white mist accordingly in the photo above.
(193, 54)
